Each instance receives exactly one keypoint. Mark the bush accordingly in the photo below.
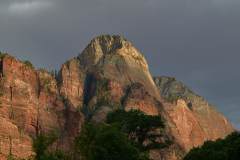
(2, 55)
(139, 127)
(41, 146)
(222, 149)
(121, 137)
(105, 142)
(29, 64)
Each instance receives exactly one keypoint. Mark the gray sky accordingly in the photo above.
(196, 41)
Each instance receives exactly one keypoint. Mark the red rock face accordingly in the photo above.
(72, 82)
(138, 98)
(191, 120)
(25, 106)
(185, 126)
(108, 75)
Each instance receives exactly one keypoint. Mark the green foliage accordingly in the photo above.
(10, 157)
(122, 137)
(105, 142)
(29, 64)
(139, 127)
(2, 55)
(57, 155)
(222, 149)
(41, 146)
(47, 84)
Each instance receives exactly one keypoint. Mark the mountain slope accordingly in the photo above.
(109, 74)
(194, 119)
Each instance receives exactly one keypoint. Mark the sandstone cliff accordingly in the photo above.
(109, 74)
(194, 120)
(29, 103)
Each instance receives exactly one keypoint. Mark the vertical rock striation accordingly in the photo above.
(109, 74)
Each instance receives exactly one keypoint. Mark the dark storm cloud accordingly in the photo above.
(196, 41)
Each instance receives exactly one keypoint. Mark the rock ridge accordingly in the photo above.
(109, 74)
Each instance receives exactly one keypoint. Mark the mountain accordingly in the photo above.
(109, 74)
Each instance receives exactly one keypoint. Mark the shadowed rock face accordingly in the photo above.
(109, 74)
(194, 120)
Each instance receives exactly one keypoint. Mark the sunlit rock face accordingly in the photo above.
(194, 120)
(29, 103)
(109, 74)
(115, 58)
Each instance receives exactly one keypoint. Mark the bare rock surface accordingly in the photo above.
(109, 74)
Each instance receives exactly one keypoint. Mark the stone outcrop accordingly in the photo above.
(29, 103)
(193, 119)
(109, 74)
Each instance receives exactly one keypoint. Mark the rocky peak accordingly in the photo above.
(110, 46)
(110, 73)
(109, 43)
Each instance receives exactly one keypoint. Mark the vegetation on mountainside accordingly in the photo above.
(129, 136)
(29, 64)
(2, 54)
(125, 135)
(139, 128)
(41, 146)
(102, 141)
(222, 149)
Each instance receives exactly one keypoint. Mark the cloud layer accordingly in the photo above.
(198, 42)
(28, 6)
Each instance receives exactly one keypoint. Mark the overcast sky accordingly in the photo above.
(196, 41)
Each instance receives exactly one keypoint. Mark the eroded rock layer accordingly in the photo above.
(109, 74)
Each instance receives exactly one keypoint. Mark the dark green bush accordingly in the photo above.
(122, 137)
(41, 146)
(139, 127)
(2, 55)
(28, 63)
(105, 142)
(222, 149)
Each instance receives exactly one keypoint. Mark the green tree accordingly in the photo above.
(123, 136)
(2, 54)
(139, 127)
(222, 149)
(41, 146)
(105, 142)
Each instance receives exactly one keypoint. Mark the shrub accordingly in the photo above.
(28, 64)
(41, 146)
(102, 142)
(121, 137)
(2, 55)
(222, 149)
(139, 127)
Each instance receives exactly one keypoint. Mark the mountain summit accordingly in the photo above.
(109, 74)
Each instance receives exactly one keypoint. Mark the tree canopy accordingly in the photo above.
(222, 149)
(121, 137)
